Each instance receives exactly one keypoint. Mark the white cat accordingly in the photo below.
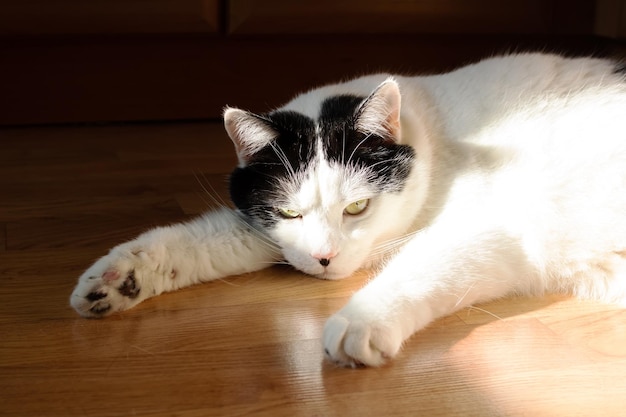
(503, 177)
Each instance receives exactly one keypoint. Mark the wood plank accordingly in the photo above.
(3, 237)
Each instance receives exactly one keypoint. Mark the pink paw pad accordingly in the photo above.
(111, 275)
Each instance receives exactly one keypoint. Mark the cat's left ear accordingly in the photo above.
(380, 113)
(248, 131)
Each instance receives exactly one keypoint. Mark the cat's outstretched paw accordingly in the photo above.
(353, 340)
(115, 282)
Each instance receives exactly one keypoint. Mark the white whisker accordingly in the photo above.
(216, 198)
(357, 147)
(280, 262)
(485, 311)
(343, 146)
(460, 300)
(283, 158)
(391, 245)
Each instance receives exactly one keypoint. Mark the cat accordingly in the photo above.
(506, 176)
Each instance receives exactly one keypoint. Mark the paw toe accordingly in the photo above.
(95, 295)
(355, 343)
(100, 309)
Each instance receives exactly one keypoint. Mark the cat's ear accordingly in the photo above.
(248, 131)
(380, 112)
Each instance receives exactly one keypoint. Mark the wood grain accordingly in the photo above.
(247, 345)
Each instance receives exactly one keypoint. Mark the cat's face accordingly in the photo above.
(324, 189)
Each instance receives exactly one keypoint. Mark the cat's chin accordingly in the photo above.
(331, 276)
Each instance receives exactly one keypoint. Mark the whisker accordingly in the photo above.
(214, 196)
(276, 263)
(485, 311)
(226, 281)
(283, 158)
(379, 162)
(261, 236)
(460, 300)
(343, 146)
(263, 239)
(357, 147)
(392, 244)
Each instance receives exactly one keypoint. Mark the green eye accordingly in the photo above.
(357, 207)
(288, 213)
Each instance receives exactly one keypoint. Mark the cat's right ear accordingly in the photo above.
(248, 131)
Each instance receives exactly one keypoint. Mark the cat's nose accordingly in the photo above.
(324, 258)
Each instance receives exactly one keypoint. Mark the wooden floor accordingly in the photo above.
(248, 345)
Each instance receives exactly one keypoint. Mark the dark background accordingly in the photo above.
(78, 61)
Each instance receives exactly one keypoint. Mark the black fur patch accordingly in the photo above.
(620, 68)
(388, 163)
(129, 287)
(253, 188)
(100, 308)
(336, 111)
(95, 296)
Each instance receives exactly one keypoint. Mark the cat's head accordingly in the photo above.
(325, 189)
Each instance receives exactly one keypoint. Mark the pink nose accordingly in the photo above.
(324, 258)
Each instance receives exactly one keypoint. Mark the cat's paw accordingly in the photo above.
(353, 338)
(115, 282)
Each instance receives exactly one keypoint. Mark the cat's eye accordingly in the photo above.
(357, 207)
(288, 213)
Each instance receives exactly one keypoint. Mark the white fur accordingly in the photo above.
(519, 187)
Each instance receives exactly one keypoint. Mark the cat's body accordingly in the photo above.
(506, 176)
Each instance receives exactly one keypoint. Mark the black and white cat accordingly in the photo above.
(503, 177)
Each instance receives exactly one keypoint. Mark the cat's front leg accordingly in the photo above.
(213, 246)
(428, 279)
